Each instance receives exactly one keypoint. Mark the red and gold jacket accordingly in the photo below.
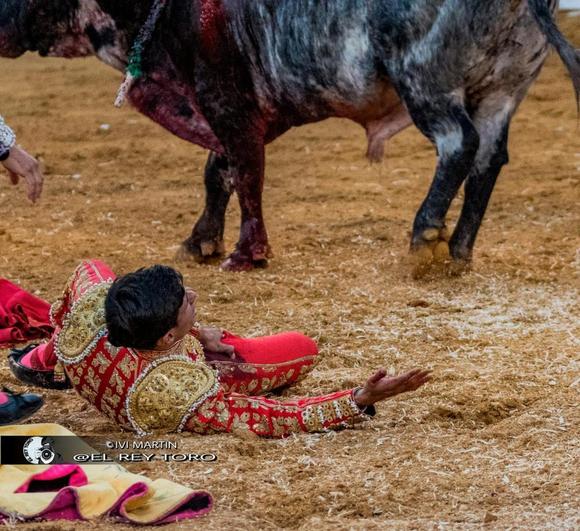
(178, 389)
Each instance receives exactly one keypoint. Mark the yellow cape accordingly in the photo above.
(106, 485)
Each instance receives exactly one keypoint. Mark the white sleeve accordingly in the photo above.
(7, 136)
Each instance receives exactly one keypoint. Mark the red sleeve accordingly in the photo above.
(274, 418)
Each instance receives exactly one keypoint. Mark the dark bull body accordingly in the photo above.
(232, 75)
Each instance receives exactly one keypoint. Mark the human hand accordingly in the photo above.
(21, 164)
(380, 386)
(210, 338)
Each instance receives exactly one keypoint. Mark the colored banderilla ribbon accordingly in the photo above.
(134, 68)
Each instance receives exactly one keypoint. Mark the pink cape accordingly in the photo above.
(64, 480)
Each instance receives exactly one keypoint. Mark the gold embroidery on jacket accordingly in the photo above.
(72, 374)
(184, 347)
(100, 363)
(127, 365)
(88, 393)
(92, 379)
(166, 393)
(110, 397)
(84, 324)
(117, 383)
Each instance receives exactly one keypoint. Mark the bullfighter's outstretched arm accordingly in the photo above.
(267, 417)
(274, 418)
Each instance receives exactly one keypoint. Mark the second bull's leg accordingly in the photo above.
(207, 239)
(492, 121)
(252, 249)
(447, 124)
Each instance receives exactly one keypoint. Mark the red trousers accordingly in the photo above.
(261, 364)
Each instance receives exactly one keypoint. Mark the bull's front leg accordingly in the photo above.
(252, 249)
(207, 238)
(447, 124)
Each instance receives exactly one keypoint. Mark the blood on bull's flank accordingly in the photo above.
(233, 76)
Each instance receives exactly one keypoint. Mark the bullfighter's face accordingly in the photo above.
(60, 28)
(186, 318)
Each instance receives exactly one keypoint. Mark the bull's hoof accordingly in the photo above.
(200, 251)
(459, 266)
(261, 252)
(430, 250)
(238, 263)
(461, 258)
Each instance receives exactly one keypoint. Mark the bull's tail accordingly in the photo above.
(570, 57)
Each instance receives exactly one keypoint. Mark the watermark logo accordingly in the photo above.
(39, 451)
(68, 449)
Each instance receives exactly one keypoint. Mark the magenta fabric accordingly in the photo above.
(63, 507)
(23, 316)
(72, 474)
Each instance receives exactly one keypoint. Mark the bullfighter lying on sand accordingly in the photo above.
(130, 346)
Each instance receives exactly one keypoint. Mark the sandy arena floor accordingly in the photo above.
(494, 440)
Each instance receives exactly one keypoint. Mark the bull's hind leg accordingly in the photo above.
(252, 249)
(207, 239)
(444, 120)
(492, 120)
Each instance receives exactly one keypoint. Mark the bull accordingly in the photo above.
(233, 75)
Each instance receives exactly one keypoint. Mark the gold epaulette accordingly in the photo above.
(84, 326)
(167, 392)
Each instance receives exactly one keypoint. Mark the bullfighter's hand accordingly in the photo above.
(21, 164)
(381, 386)
(211, 339)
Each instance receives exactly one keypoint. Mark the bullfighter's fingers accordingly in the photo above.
(420, 379)
(377, 377)
(32, 186)
(31, 189)
(410, 374)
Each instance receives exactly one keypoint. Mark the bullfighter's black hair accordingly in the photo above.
(141, 307)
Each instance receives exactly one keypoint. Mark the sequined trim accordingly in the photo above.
(332, 414)
(56, 306)
(84, 325)
(167, 393)
(251, 367)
